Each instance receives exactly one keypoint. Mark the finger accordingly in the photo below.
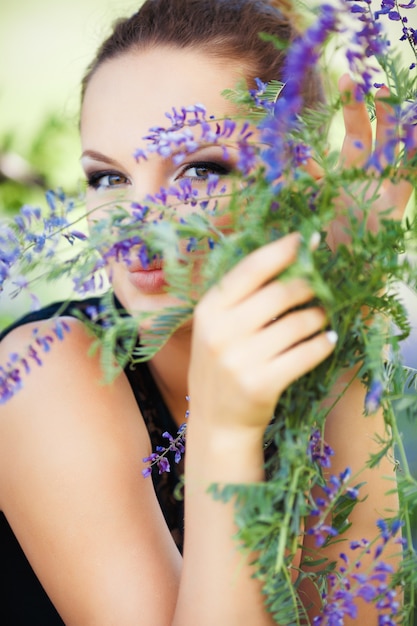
(314, 169)
(399, 191)
(289, 331)
(357, 145)
(387, 131)
(396, 197)
(272, 301)
(300, 359)
(255, 270)
(409, 137)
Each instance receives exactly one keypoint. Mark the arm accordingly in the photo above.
(71, 487)
(71, 450)
(351, 434)
(240, 365)
(360, 146)
(353, 438)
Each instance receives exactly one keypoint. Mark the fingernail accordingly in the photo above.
(332, 336)
(314, 241)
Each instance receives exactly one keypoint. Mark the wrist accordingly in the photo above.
(223, 454)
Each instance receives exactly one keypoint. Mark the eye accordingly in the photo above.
(201, 170)
(107, 180)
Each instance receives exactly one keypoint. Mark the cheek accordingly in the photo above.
(227, 221)
(223, 222)
(97, 208)
(101, 204)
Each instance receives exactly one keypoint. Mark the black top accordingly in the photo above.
(23, 601)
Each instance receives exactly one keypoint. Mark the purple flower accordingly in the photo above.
(247, 157)
(275, 128)
(318, 450)
(138, 155)
(192, 244)
(26, 215)
(321, 533)
(354, 545)
(163, 465)
(159, 458)
(179, 118)
(352, 492)
(374, 396)
(179, 139)
(256, 95)
(50, 197)
(346, 588)
(386, 620)
(75, 234)
(371, 585)
(212, 184)
(11, 373)
(147, 472)
(143, 256)
(60, 327)
(139, 211)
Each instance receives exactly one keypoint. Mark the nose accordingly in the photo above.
(150, 183)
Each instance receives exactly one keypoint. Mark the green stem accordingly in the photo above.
(404, 503)
(293, 490)
(294, 596)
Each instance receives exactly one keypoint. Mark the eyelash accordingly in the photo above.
(213, 168)
(94, 179)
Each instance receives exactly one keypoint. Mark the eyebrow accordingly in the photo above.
(98, 156)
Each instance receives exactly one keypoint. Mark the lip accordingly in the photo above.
(149, 280)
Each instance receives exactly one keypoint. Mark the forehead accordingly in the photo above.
(129, 94)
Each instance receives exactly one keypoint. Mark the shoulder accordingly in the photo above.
(40, 350)
(71, 486)
(25, 343)
(57, 396)
(50, 363)
(56, 309)
(25, 331)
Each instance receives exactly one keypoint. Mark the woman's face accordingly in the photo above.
(125, 97)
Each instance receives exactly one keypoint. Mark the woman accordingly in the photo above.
(71, 449)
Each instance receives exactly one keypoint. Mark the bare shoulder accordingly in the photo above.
(58, 381)
(71, 486)
(62, 395)
(54, 351)
(38, 343)
(61, 386)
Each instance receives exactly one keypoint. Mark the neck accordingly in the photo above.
(169, 369)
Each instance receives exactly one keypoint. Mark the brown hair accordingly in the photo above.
(226, 29)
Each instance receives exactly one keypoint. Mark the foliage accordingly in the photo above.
(25, 173)
(272, 193)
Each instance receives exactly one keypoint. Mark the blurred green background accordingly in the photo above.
(45, 46)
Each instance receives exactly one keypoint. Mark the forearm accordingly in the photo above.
(354, 437)
(217, 588)
(241, 362)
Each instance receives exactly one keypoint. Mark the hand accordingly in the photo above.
(248, 342)
(359, 150)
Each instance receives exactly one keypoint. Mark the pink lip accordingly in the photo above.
(149, 280)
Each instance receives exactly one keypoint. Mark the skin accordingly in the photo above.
(70, 479)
